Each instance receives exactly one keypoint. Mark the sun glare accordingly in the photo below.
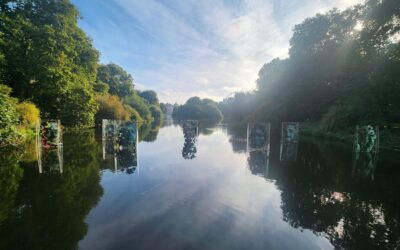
(359, 26)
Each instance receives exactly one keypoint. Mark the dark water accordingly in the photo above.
(204, 192)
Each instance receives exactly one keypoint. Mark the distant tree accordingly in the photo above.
(196, 108)
(157, 114)
(140, 105)
(119, 81)
(150, 96)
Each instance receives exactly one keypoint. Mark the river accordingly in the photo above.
(199, 191)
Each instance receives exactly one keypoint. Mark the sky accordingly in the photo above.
(185, 48)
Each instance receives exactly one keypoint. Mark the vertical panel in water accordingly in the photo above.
(289, 141)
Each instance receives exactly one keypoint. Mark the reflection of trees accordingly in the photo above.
(319, 193)
(152, 133)
(190, 130)
(258, 162)
(237, 136)
(205, 127)
(50, 208)
(148, 132)
(10, 176)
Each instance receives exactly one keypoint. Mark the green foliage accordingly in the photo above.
(135, 116)
(150, 96)
(140, 105)
(29, 114)
(119, 81)
(196, 108)
(101, 88)
(110, 107)
(48, 59)
(157, 114)
(335, 74)
(166, 108)
(8, 116)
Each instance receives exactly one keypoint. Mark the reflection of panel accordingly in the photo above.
(49, 147)
(364, 165)
(190, 133)
(258, 147)
(289, 141)
(366, 150)
(258, 162)
(258, 136)
(119, 140)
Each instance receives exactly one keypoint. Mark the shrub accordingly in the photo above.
(8, 116)
(29, 114)
(135, 116)
(140, 105)
(110, 107)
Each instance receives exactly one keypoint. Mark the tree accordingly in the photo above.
(196, 108)
(8, 116)
(341, 71)
(140, 105)
(119, 81)
(150, 96)
(49, 59)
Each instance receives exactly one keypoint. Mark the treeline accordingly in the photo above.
(342, 69)
(198, 109)
(48, 62)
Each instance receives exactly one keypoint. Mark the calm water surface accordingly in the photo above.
(207, 193)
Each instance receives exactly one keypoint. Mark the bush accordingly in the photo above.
(135, 116)
(110, 107)
(29, 114)
(8, 116)
(140, 105)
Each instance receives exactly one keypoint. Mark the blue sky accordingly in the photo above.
(183, 48)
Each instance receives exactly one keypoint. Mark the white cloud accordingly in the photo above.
(211, 48)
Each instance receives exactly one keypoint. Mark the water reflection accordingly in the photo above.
(10, 177)
(315, 202)
(258, 148)
(334, 193)
(366, 151)
(190, 133)
(48, 211)
(119, 141)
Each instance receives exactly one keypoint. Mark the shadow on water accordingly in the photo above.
(347, 197)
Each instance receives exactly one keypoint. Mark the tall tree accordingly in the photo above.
(49, 59)
(119, 81)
